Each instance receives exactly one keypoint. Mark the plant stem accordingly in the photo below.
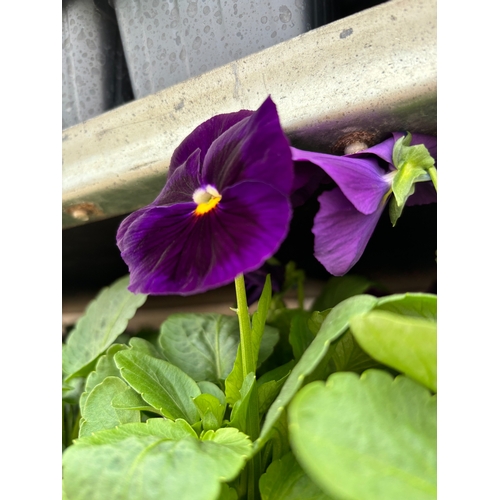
(251, 473)
(434, 176)
(247, 356)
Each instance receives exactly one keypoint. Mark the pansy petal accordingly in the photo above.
(254, 149)
(341, 233)
(307, 178)
(182, 183)
(251, 224)
(361, 180)
(151, 241)
(383, 150)
(173, 251)
(204, 135)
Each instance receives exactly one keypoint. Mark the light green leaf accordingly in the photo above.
(339, 288)
(335, 324)
(285, 479)
(214, 390)
(159, 427)
(407, 344)
(98, 412)
(130, 400)
(144, 346)
(149, 465)
(211, 411)
(419, 305)
(104, 320)
(105, 367)
(163, 385)
(370, 437)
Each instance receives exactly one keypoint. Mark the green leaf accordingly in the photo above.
(227, 493)
(98, 412)
(395, 210)
(348, 355)
(370, 437)
(405, 343)
(412, 163)
(72, 390)
(300, 334)
(130, 400)
(240, 410)
(335, 324)
(104, 320)
(285, 479)
(159, 427)
(419, 305)
(316, 320)
(259, 326)
(211, 411)
(267, 392)
(339, 288)
(136, 461)
(278, 443)
(105, 367)
(144, 346)
(204, 345)
(163, 385)
(214, 390)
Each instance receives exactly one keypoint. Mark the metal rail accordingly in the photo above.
(370, 73)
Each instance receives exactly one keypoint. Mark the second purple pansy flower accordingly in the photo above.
(224, 209)
(348, 214)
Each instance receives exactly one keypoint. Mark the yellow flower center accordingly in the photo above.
(207, 198)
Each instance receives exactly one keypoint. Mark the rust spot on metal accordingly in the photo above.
(84, 211)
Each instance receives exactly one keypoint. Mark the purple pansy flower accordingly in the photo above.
(348, 214)
(224, 209)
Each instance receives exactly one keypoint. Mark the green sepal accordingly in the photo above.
(412, 163)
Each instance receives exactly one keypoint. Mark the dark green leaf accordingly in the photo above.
(239, 413)
(285, 479)
(348, 355)
(300, 335)
(339, 288)
(205, 345)
(161, 384)
(104, 320)
(370, 437)
(335, 324)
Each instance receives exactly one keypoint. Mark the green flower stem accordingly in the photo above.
(252, 471)
(247, 356)
(434, 176)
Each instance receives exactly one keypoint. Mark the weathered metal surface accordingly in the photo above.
(373, 72)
